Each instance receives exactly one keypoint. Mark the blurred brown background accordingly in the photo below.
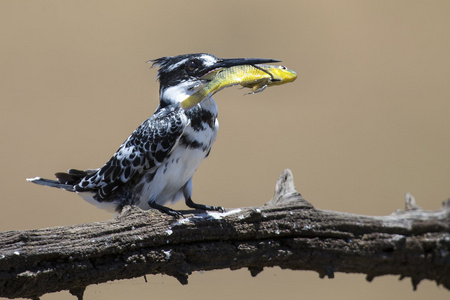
(367, 120)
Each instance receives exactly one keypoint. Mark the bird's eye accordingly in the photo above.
(192, 65)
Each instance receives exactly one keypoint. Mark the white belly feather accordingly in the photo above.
(172, 176)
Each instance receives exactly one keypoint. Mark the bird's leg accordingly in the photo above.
(164, 209)
(191, 204)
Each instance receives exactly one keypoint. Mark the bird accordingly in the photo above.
(156, 163)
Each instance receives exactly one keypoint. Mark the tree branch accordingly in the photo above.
(287, 232)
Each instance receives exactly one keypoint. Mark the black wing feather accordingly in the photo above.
(145, 149)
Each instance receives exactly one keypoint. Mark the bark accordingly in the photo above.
(287, 232)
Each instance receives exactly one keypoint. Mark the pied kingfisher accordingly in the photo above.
(156, 163)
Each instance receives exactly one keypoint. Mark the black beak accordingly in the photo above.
(230, 62)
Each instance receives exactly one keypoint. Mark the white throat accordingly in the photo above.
(179, 92)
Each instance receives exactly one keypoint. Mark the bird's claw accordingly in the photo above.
(166, 210)
(175, 213)
(219, 209)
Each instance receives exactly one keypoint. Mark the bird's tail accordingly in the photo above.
(51, 183)
(66, 181)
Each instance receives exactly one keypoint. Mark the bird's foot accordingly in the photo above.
(194, 205)
(165, 209)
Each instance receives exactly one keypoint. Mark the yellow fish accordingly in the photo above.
(256, 77)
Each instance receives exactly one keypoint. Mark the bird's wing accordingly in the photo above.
(145, 149)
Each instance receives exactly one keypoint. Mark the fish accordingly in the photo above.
(255, 77)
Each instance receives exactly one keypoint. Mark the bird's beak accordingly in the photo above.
(231, 62)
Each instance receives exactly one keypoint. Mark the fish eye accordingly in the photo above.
(283, 67)
(192, 64)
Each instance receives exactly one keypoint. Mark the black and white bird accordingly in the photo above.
(156, 163)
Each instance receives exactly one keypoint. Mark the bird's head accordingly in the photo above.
(181, 76)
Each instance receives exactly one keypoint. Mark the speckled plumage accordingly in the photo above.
(143, 152)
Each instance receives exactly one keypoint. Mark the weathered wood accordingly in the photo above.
(287, 232)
